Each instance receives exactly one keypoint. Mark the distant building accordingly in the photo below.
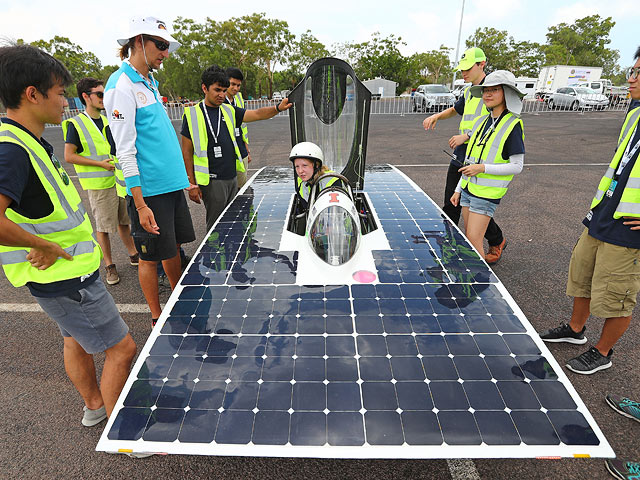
(381, 87)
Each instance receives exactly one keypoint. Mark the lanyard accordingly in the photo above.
(206, 115)
(149, 84)
(485, 136)
(628, 155)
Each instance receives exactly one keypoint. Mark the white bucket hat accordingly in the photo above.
(150, 26)
(512, 95)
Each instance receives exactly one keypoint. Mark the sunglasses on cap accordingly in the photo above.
(160, 44)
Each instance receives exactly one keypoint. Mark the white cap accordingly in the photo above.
(150, 26)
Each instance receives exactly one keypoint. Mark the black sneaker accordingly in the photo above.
(564, 333)
(589, 362)
(623, 469)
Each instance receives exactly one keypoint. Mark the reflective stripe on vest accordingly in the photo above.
(473, 108)
(629, 204)
(485, 185)
(245, 131)
(94, 146)
(198, 130)
(305, 190)
(121, 185)
(67, 225)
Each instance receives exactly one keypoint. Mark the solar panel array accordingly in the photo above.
(434, 357)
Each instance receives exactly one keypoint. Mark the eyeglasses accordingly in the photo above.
(491, 90)
(98, 94)
(61, 172)
(633, 73)
(160, 44)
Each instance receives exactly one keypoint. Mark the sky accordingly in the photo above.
(423, 25)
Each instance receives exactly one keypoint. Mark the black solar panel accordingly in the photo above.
(436, 354)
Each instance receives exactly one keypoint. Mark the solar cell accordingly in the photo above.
(434, 360)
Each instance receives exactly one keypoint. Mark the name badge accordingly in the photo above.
(237, 132)
(217, 151)
(612, 187)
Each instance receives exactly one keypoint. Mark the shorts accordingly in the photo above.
(478, 205)
(242, 176)
(108, 209)
(607, 274)
(172, 216)
(89, 316)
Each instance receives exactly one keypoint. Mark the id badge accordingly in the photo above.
(217, 152)
(237, 132)
(612, 187)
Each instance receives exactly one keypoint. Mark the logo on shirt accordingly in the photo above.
(116, 116)
(141, 97)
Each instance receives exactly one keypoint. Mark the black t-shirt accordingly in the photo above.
(241, 145)
(19, 182)
(602, 226)
(224, 167)
(74, 138)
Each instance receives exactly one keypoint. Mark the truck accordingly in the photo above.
(553, 77)
(613, 93)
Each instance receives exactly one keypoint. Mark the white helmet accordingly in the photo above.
(307, 150)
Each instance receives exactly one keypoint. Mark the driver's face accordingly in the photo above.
(304, 168)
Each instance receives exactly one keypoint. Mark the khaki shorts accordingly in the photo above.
(607, 274)
(108, 209)
(242, 176)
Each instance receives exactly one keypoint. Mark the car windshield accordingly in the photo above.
(585, 91)
(436, 89)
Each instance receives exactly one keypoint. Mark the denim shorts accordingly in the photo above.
(478, 205)
(89, 316)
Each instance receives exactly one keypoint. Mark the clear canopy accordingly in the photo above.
(334, 235)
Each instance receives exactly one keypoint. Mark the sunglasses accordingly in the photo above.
(633, 72)
(98, 94)
(160, 44)
(63, 174)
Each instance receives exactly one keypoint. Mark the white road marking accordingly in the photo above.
(462, 469)
(34, 307)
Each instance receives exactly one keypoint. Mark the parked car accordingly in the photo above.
(458, 89)
(277, 97)
(577, 98)
(432, 97)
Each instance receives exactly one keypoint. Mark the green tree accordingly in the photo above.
(305, 51)
(79, 63)
(583, 43)
(432, 67)
(496, 45)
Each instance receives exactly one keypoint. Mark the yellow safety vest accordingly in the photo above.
(200, 139)
(305, 190)
(473, 108)
(67, 225)
(245, 132)
(96, 147)
(629, 205)
(485, 185)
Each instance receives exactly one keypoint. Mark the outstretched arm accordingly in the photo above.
(265, 113)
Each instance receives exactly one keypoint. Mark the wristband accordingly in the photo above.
(277, 109)
(140, 208)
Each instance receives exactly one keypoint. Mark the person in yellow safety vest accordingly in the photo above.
(234, 97)
(46, 239)
(209, 148)
(90, 148)
(604, 271)
(307, 159)
(495, 154)
(469, 108)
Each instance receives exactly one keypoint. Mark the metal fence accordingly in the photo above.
(405, 106)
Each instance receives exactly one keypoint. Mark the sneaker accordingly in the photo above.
(134, 259)
(93, 417)
(495, 252)
(624, 406)
(589, 362)
(112, 274)
(153, 322)
(564, 333)
(623, 469)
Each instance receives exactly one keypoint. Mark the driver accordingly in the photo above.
(307, 160)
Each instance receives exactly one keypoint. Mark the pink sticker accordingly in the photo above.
(364, 276)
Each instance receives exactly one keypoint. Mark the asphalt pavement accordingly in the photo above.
(40, 431)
